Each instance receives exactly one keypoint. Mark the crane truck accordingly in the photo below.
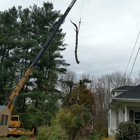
(12, 122)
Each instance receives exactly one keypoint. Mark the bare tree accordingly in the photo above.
(137, 79)
(68, 81)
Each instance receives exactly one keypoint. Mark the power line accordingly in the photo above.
(130, 59)
(134, 62)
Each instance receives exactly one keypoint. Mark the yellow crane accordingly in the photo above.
(11, 124)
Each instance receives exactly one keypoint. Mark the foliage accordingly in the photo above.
(83, 96)
(79, 104)
(64, 118)
(67, 83)
(74, 120)
(17, 138)
(53, 132)
(127, 130)
(98, 137)
(23, 33)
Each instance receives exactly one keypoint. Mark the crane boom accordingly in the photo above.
(14, 94)
(61, 20)
(13, 125)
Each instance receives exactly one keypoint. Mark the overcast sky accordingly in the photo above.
(107, 34)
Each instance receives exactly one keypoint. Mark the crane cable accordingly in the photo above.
(81, 14)
(82, 8)
(77, 32)
(130, 60)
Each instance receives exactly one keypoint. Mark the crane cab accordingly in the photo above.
(14, 121)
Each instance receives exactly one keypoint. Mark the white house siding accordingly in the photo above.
(113, 119)
(112, 127)
(123, 115)
(126, 117)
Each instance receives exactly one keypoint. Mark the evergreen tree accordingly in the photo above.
(26, 31)
(45, 94)
(8, 59)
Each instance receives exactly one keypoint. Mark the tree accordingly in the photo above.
(67, 84)
(83, 96)
(27, 30)
(77, 118)
(8, 26)
(50, 64)
(78, 106)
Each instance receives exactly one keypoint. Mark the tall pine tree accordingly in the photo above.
(22, 36)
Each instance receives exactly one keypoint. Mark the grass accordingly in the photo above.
(27, 138)
(20, 138)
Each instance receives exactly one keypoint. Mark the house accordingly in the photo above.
(4, 119)
(124, 106)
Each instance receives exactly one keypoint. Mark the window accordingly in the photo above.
(117, 118)
(131, 115)
(14, 118)
(137, 117)
(4, 120)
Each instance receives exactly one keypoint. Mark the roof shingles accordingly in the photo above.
(132, 93)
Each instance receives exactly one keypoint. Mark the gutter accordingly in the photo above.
(113, 91)
(126, 99)
(117, 101)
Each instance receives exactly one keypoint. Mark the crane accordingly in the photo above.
(14, 123)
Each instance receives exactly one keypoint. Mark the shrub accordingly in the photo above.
(127, 131)
(53, 132)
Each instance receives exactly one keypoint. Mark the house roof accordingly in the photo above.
(132, 93)
(122, 89)
(2, 107)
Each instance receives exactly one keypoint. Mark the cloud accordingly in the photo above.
(107, 34)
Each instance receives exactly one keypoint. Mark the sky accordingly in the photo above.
(107, 35)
